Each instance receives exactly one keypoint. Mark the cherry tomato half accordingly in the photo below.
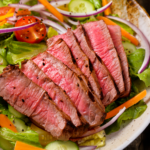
(34, 34)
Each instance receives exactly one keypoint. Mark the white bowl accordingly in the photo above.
(132, 11)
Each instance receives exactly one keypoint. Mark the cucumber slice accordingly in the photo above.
(62, 145)
(5, 145)
(81, 6)
(129, 47)
(20, 125)
(15, 112)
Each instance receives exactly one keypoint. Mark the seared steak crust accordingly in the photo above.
(103, 46)
(106, 83)
(33, 72)
(31, 100)
(70, 83)
(81, 59)
(115, 33)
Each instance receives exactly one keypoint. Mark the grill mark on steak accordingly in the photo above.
(109, 92)
(103, 46)
(115, 32)
(31, 70)
(81, 59)
(67, 79)
(60, 50)
(37, 105)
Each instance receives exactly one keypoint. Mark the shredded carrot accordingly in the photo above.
(6, 123)
(124, 32)
(12, 10)
(52, 9)
(6, 16)
(3, 22)
(23, 146)
(108, 10)
(127, 104)
(23, 12)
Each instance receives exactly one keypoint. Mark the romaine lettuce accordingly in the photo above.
(30, 137)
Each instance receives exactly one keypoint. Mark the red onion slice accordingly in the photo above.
(22, 6)
(144, 41)
(37, 7)
(17, 28)
(78, 15)
(24, 1)
(59, 3)
(53, 24)
(73, 22)
(87, 147)
(46, 13)
(98, 129)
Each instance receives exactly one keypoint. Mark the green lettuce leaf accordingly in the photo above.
(135, 59)
(6, 2)
(97, 3)
(30, 137)
(19, 51)
(131, 113)
(51, 32)
(145, 77)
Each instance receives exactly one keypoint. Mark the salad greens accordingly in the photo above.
(29, 136)
(97, 3)
(6, 2)
(15, 52)
(131, 113)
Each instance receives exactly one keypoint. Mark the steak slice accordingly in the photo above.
(31, 100)
(33, 72)
(103, 46)
(61, 51)
(70, 83)
(106, 83)
(82, 60)
(115, 33)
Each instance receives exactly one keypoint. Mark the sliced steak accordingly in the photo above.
(31, 100)
(70, 83)
(115, 33)
(106, 83)
(81, 59)
(33, 72)
(103, 46)
(61, 51)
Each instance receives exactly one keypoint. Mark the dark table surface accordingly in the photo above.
(143, 141)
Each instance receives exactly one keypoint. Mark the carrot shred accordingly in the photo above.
(23, 146)
(6, 123)
(3, 22)
(23, 12)
(12, 10)
(52, 9)
(124, 32)
(6, 16)
(127, 104)
(108, 10)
